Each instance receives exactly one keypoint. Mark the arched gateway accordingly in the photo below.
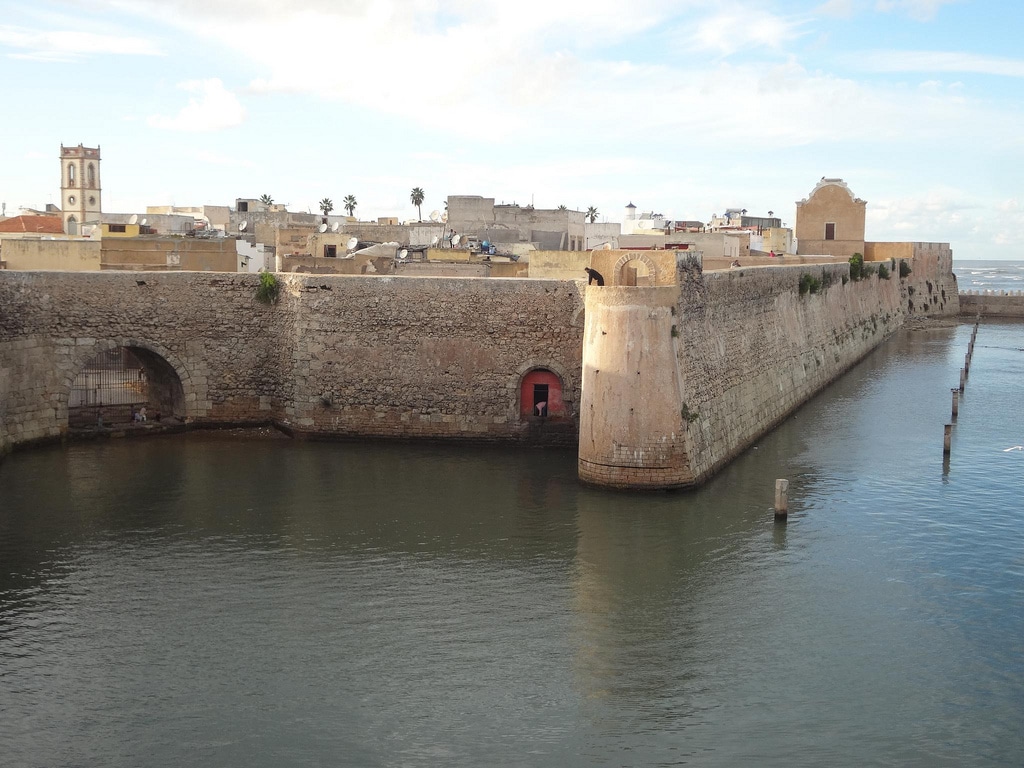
(123, 382)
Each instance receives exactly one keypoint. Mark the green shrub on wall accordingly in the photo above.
(904, 268)
(883, 272)
(809, 284)
(268, 289)
(857, 266)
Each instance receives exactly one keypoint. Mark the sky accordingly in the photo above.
(682, 107)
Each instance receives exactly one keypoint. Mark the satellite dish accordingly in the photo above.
(434, 240)
(435, 216)
(403, 253)
(143, 222)
(133, 219)
(322, 228)
(352, 243)
(455, 240)
(242, 225)
(335, 226)
(444, 217)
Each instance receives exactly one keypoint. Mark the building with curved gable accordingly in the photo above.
(830, 221)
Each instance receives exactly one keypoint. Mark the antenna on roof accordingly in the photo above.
(322, 228)
(403, 253)
(351, 244)
(242, 225)
(143, 222)
(435, 216)
(335, 226)
(455, 240)
(133, 219)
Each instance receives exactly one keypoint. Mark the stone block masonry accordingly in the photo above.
(678, 381)
(665, 385)
(992, 304)
(336, 356)
(755, 348)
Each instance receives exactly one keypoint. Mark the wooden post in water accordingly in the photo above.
(956, 402)
(967, 364)
(781, 498)
(963, 379)
(947, 439)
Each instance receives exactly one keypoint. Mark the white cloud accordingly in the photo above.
(213, 109)
(742, 29)
(936, 61)
(921, 10)
(839, 8)
(68, 45)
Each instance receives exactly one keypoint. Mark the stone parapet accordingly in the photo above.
(992, 304)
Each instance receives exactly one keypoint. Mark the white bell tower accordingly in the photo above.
(80, 199)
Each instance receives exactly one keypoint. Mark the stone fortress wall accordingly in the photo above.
(338, 355)
(992, 303)
(722, 356)
(733, 353)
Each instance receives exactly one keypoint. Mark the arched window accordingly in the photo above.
(71, 174)
(72, 225)
(91, 175)
(540, 395)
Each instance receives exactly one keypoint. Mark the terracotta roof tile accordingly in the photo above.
(43, 225)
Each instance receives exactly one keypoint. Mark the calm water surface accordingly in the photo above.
(199, 600)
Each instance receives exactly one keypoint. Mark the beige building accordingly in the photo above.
(131, 253)
(547, 229)
(830, 221)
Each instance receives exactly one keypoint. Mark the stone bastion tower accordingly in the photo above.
(632, 428)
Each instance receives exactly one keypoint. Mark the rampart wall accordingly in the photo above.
(696, 381)
(696, 365)
(337, 355)
(754, 348)
(992, 303)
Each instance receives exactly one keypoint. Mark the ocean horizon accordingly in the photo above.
(989, 275)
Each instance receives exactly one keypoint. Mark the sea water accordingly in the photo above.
(989, 275)
(205, 600)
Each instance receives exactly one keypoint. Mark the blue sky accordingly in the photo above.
(683, 107)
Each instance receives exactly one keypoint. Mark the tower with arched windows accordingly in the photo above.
(80, 199)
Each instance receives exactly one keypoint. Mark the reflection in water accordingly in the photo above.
(198, 599)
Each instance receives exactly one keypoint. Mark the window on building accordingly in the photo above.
(330, 251)
(71, 175)
(830, 230)
(91, 175)
(243, 207)
(118, 228)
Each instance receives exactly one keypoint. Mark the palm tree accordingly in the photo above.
(562, 208)
(266, 199)
(416, 198)
(350, 204)
(592, 214)
(326, 205)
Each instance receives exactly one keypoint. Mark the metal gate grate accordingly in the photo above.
(110, 386)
